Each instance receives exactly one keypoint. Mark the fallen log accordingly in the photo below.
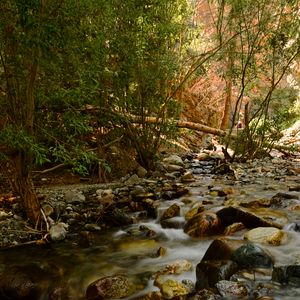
(180, 124)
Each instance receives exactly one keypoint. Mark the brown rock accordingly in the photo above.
(203, 224)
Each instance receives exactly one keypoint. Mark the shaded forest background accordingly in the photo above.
(75, 76)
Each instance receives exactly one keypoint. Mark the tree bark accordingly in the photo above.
(22, 185)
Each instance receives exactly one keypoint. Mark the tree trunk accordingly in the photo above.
(22, 185)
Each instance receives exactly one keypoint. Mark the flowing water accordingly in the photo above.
(115, 252)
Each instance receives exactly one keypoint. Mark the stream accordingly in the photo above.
(115, 251)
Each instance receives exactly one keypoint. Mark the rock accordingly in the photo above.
(177, 267)
(119, 217)
(172, 211)
(203, 224)
(175, 223)
(267, 235)
(172, 168)
(287, 274)
(252, 218)
(187, 177)
(204, 294)
(58, 231)
(74, 197)
(173, 160)
(176, 192)
(4, 215)
(134, 179)
(110, 287)
(198, 208)
(222, 249)
(47, 209)
(161, 252)
(150, 296)
(203, 156)
(221, 191)
(209, 272)
(141, 172)
(250, 256)
(231, 289)
(234, 228)
(92, 227)
(103, 193)
(172, 288)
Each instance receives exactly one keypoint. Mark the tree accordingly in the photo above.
(59, 57)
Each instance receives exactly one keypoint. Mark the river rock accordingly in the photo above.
(234, 228)
(251, 256)
(265, 235)
(175, 223)
(252, 218)
(150, 296)
(177, 267)
(173, 160)
(287, 274)
(132, 180)
(209, 272)
(172, 211)
(187, 177)
(74, 197)
(196, 209)
(172, 288)
(231, 289)
(58, 231)
(110, 287)
(119, 217)
(204, 294)
(203, 224)
(222, 249)
(221, 191)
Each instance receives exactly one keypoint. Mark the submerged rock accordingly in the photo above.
(172, 211)
(172, 288)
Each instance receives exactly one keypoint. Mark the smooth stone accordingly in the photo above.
(251, 256)
(58, 231)
(266, 235)
(175, 223)
(203, 224)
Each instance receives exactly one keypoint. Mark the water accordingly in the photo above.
(115, 252)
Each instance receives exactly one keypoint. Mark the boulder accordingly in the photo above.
(209, 272)
(74, 197)
(252, 218)
(110, 287)
(203, 224)
(250, 256)
(58, 231)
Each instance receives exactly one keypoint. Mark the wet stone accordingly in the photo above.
(287, 274)
(250, 256)
(209, 272)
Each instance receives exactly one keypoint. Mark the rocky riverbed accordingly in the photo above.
(237, 223)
